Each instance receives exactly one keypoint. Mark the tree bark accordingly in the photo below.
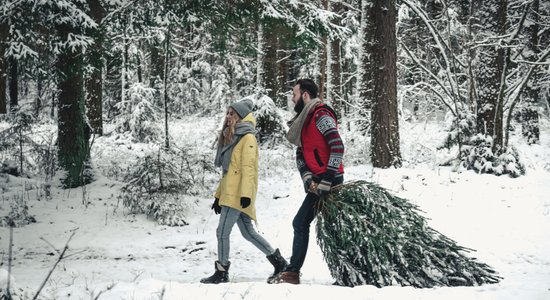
(285, 55)
(383, 53)
(529, 115)
(323, 69)
(365, 73)
(138, 63)
(335, 92)
(489, 74)
(157, 63)
(39, 93)
(3, 65)
(260, 57)
(270, 62)
(94, 84)
(13, 83)
(165, 81)
(283, 77)
(72, 142)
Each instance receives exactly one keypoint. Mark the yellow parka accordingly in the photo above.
(241, 179)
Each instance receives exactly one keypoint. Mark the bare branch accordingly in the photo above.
(443, 48)
(61, 256)
(433, 76)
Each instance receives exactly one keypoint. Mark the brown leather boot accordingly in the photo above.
(289, 277)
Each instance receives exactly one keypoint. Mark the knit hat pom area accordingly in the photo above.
(243, 107)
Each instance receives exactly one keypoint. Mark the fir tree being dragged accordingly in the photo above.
(369, 236)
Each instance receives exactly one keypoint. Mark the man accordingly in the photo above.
(319, 159)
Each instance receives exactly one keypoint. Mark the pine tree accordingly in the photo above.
(369, 236)
(94, 83)
(73, 131)
(385, 150)
(3, 76)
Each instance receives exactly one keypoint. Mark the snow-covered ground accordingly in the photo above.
(116, 255)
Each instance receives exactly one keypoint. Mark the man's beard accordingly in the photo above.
(299, 106)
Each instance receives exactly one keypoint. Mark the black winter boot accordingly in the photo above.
(220, 275)
(279, 264)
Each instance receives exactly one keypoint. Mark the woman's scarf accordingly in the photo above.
(294, 134)
(223, 153)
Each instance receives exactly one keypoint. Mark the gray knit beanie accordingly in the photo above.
(243, 107)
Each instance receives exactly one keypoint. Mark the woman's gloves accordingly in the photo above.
(245, 202)
(216, 206)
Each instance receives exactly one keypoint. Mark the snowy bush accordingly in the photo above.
(478, 156)
(270, 122)
(461, 128)
(476, 150)
(139, 116)
(187, 90)
(19, 213)
(220, 90)
(15, 293)
(156, 183)
(21, 150)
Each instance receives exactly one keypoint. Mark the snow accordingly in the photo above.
(117, 255)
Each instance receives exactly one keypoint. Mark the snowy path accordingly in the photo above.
(510, 231)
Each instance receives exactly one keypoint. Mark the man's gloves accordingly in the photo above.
(325, 183)
(216, 206)
(245, 202)
(307, 179)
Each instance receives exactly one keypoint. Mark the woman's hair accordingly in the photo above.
(227, 132)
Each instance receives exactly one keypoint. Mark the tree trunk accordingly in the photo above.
(283, 77)
(335, 92)
(323, 70)
(72, 142)
(489, 74)
(323, 84)
(165, 80)
(157, 63)
(260, 58)
(138, 63)
(498, 135)
(94, 84)
(270, 62)
(3, 65)
(383, 53)
(39, 93)
(365, 73)
(124, 70)
(530, 116)
(13, 84)
(285, 56)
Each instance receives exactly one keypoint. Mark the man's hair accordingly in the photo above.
(307, 85)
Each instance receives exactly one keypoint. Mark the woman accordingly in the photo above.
(235, 196)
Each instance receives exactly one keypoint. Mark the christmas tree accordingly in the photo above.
(369, 236)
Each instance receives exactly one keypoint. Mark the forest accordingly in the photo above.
(118, 103)
(83, 64)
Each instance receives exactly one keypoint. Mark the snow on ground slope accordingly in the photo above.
(117, 255)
